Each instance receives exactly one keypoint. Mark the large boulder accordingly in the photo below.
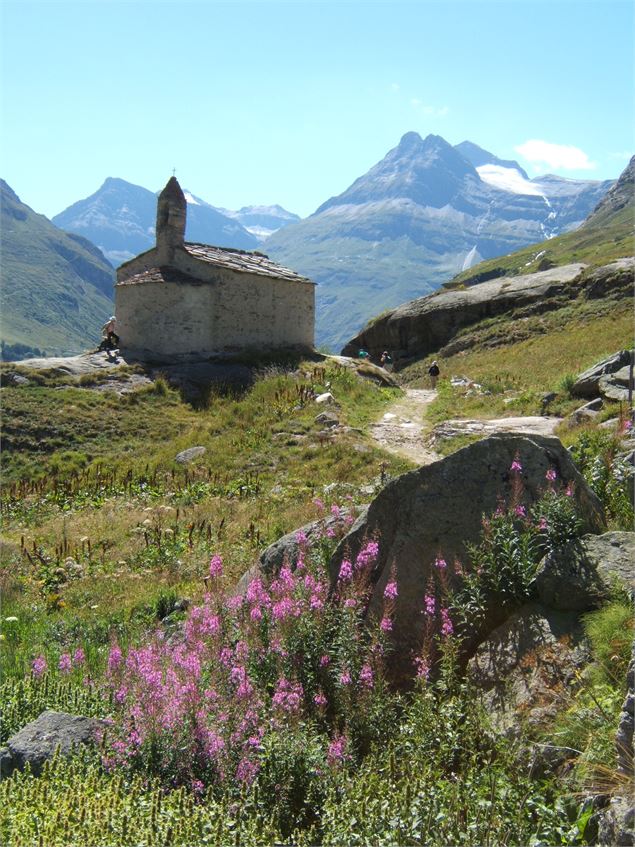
(523, 669)
(38, 740)
(582, 575)
(615, 386)
(587, 383)
(624, 737)
(437, 511)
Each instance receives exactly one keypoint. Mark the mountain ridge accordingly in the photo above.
(57, 288)
(415, 219)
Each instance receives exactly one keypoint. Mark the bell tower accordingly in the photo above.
(171, 215)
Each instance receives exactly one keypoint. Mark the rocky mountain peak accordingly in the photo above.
(617, 197)
(426, 171)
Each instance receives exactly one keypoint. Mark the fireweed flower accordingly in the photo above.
(319, 504)
(216, 567)
(346, 571)
(38, 666)
(551, 475)
(350, 603)
(543, 524)
(79, 657)
(366, 676)
(320, 700)
(324, 661)
(335, 511)
(390, 591)
(337, 750)
(115, 658)
(423, 667)
(569, 491)
(440, 563)
(367, 556)
(65, 663)
(301, 538)
(520, 511)
(345, 678)
(516, 466)
(385, 624)
(430, 603)
(447, 627)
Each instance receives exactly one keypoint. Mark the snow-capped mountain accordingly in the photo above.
(120, 218)
(423, 213)
(262, 221)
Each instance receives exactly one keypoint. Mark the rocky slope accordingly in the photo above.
(418, 217)
(430, 324)
(56, 287)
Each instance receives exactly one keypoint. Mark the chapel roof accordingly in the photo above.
(242, 261)
(163, 274)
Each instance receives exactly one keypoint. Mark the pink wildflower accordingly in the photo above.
(516, 466)
(385, 624)
(440, 563)
(345, 678)
(543, 524)
(79, 657)
(65, 663)
(367, 556)
(337, 750)
(115, 658)
(335, 511)
(320, 700)
(197, 787)
(447, 627)
(520, 511)
(423, 667)
(301, 538)
(319, 504)
(39, 666)
(346, 571)
(390, 591)
(430, 603)
(551, 475)
(366, 676)
(256, 614)
(350, 603)
(324, 661)
(569, 491)
(246, 771)
(216, 567)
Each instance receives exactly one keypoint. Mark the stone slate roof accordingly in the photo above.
(243, 261)
(164, 274)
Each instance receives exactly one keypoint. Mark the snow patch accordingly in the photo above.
(191, 199)
(509, 179)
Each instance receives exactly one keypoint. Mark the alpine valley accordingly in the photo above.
(427, 211)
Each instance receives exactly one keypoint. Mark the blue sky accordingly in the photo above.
(266, 102)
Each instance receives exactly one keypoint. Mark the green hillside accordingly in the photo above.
(56, 289)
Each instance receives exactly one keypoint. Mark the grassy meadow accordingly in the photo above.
(269, 720)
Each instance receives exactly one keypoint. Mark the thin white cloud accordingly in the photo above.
(435, 111)
(395, 86)
(556, 156)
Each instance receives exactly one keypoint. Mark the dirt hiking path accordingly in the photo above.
(403, 429)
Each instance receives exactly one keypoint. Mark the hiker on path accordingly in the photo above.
(108, 331)
(385, 361)
(363, 354)
(433, 372)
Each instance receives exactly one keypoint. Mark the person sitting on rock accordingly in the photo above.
(433, 372)
(108, 331)
(363, 354)
(385, 360)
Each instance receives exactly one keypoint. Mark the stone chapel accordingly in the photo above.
(182, 301)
